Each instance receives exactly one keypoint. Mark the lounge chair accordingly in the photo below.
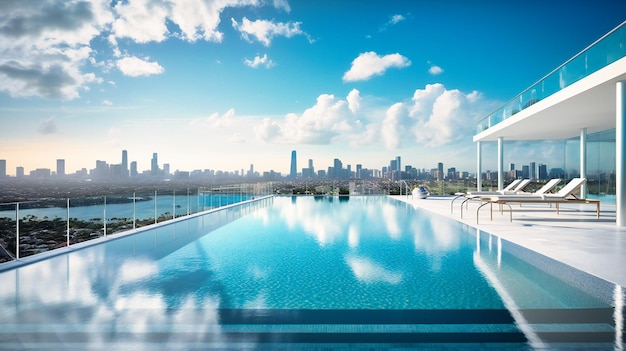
(565, 195)
(540, 192)
(515, 186)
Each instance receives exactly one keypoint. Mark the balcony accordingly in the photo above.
(610, 50)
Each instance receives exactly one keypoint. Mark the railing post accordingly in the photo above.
(105, 216)
(187, 201)
(134, 211)
(155, 207)
(68, 221)
(174, 205)
(17, 230)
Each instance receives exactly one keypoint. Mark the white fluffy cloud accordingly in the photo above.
(435, 70)
(354, 100)
(44, 44)
(259, 61)
(435, 117)
(327, 119)
(146, 20)
(141, 20)
(264, 31)
(136, 67)
(370, 64)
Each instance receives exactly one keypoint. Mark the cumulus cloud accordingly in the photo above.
(136, 67)
(264, 31)
(141, 20)
(435, 117)
(43, 46)
(327, 119)
(370, 64)
(435, 70)
(259, 61)
(107, 103)
(354, 100)
(395, 125)
(46, 45)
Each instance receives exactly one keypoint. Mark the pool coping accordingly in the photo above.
(573, 237)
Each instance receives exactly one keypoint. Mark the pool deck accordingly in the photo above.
(574, 236)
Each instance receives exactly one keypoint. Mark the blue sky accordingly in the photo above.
(224, 84)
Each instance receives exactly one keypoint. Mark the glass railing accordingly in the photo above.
(34, 227)
(600, 54)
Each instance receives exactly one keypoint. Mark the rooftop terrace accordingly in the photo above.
(574, 236)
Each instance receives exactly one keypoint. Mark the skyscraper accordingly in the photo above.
(154, 168)
(439, 171)
(60, 167)
(294, 167)
(133, 169)
(399, 167)
(19, 172)
(124, 163)
(3, 168)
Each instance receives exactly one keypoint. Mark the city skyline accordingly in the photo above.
(393, 170)
(235, 83)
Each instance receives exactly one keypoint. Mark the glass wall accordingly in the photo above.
(602, 53)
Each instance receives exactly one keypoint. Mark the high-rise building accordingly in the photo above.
(60, 168)
(311, 166)
(543, 171)
(525, 172)
(19, 171)
(3, 168)
(440, 171)
(166, 168)
(294, 166)
(359, 168)
(533, 171)
(337, 168)
(124, 163)
(154, 164)
(452, 173)
(133, 169)
(398, 168)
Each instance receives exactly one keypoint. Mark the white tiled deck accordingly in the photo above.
(575, 236)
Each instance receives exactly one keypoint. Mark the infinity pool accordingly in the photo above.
(306, 273)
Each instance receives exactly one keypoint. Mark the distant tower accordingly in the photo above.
(399, 167)
(133, 169)
(3, 168)
(154, 169)
(60, 167)
(124, 163)
(19, 172)
(439, 171)
(311, 166)
(294, 168)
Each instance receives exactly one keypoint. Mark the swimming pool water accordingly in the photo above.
(306, 271)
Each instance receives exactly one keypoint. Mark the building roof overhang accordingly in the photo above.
(588, 103)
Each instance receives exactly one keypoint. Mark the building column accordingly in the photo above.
(479, 166)
(620, 153)
(500, 163)
(583, 161)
